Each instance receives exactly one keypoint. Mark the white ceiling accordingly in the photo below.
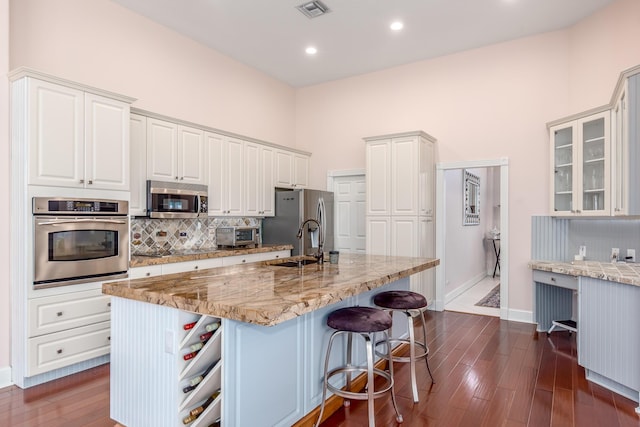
(354, 38)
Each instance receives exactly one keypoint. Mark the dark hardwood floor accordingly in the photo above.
(488, 373)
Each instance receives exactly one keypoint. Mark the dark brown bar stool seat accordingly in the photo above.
(411, 304)
(364, 322)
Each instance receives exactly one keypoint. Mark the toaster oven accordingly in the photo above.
(233, 237)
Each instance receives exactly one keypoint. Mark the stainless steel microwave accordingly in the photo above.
(237, 236)
(176, 200)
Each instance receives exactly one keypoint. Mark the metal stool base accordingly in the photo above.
(370, 393)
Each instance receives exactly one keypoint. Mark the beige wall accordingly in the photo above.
(102, 44)
(481, 104)
(485, 103)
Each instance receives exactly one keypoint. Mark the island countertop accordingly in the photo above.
(266, 294)
(627, 273)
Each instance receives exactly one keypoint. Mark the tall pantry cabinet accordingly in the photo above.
(400, 182)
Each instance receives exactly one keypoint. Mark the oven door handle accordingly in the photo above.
(75, 221)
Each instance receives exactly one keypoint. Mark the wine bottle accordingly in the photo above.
(206, 336)
(196, 380)
(212, 326)
(188, 326)
(195, 412)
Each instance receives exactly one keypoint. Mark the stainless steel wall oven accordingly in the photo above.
(79, 240)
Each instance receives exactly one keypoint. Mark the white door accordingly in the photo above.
(349, 194)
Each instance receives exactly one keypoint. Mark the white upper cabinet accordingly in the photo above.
(175, 152)
(76, 139)
(400, 175)
(258, 183)
(625, 154)
(291, 169)
(580, 158)
(138, 138)
(226, 175)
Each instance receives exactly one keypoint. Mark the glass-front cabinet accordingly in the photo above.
(580, 158)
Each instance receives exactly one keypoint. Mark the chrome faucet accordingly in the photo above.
(320, 254)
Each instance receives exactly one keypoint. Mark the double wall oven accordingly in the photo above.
(79, 240)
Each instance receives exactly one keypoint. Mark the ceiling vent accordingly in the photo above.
(313, 9)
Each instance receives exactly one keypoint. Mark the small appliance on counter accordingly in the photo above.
(235, 237)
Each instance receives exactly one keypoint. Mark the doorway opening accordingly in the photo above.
(456, 244)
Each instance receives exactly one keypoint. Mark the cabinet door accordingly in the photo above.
(300, 171)
(594, 154)
(267, 188)
(235, 176)
(162, 141)
(619, 153)
(252, 179)
(138, 146)
(217, 175)
(56, 132)
(564, 160)
(378, 235)
(106, 143)
(378, 178)
(427, 179)
(191, 155)
(404, 236)
(404, 176)
(284, 168)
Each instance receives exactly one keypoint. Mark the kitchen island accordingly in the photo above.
(603, 299)
(267, 354)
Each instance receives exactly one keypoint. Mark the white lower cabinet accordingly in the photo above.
(201, 264)
(60, 349)
(66, 329)
(145, 271)
(245, 259)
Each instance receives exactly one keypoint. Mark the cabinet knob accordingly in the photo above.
(82, 181)
(59, 351)
(59, 314)
(195, 268)
(90, 181)
(148, 274)
(109, 304)
(244, 260)
(181, 178)
(176, 178)
(109, 338)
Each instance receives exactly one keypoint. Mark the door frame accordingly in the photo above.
(331, 176)
(503, 164)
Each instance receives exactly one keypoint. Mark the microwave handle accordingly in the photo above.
(75, 221)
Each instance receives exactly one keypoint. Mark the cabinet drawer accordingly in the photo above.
(556, 279)
(61, 312)
(54, 351)
(147, 271)
(244, 259)
(180, 267)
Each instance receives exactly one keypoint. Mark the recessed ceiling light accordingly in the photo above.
(396, 26)
(311, 50)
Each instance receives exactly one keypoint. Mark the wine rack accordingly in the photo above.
(208, 358)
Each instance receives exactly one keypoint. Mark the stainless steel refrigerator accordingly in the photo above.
(293, 207)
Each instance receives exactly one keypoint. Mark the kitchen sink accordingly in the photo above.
(293, 262)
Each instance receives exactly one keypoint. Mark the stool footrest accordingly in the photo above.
(423, 354)
(359, 395)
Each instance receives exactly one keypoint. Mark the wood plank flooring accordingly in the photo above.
(488, 373)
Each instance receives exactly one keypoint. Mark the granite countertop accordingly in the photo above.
(194, 255)
(266, 294)
(620, 272)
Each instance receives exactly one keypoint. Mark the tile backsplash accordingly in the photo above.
(150, 236)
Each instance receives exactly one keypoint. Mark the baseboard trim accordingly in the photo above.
(523, 316)
(334, 403)
(464, 287)
(5, 377)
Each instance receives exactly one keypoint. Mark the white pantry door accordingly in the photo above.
(349, 194)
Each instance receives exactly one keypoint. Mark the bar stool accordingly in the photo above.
(412, 304)
(365, 322)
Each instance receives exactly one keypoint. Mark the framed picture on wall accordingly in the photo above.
(471, 202)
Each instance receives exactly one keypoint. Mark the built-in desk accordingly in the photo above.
(607, 312)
